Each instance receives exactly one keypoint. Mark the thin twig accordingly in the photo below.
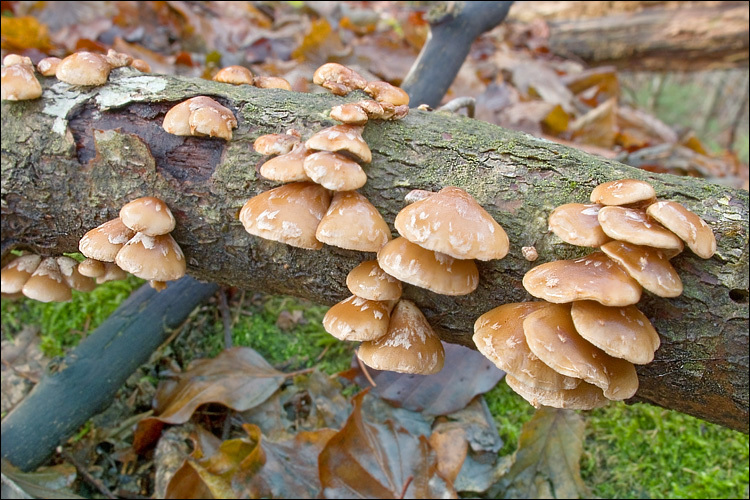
(86, 474)
(363, 367)
(406, 486)
(454, 105)
(225, 318)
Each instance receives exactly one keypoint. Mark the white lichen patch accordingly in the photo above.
(130, 89)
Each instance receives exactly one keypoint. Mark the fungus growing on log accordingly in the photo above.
(200, 116)
(339, 79)
(84, 68)
(18, 83)
(236, 75)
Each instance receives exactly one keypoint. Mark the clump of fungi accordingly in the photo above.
(138, 242)
(577, 349)
(200, 116)
(18, 80)
(240, 75)
(47, 279)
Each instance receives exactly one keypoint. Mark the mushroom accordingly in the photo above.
(118, 59)
(148, 215)
(349, 113)
(687, 225)
(103, 242)
(112, 272)
(157, 258)
(428, 269)
(288, 167)
(73, 278)
(622, 192)
(84, 68)
(141, 65)
(277, 144)
(453, 223)
(339, 79)
(382, 110)
(369, 281)
(48, 66)
(12, 59)
(353, 223)
(92, 268)
(46, 283)
(16, 273)
(621, 332)
(271, 82)
(334, 171)
(18, 83)
(341, 138)
(357, 318)
(594, 277)
(236, 75)
(409, 346)
(635, 226)
(385, 92)
(578, 224)
(650, 267)
(200, 116)
(498, 334)
(583, 397)
(289, 214)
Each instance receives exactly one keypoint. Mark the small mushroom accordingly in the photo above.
(84, 68)
(236, 75)
(12, 59)
(92, 268)
(357, 319)
(289, 214)
(157, 258)
(369, 281)
(141, 65)
(622, 192)
(112, 272)
(428, 269)
(18, 83)
(276, 144)
(687, 225)
(118, 59)
(339, 79)
(15, 274)
(583, 397)
(271, 82)
(349, 113)
(409, 346)
(46, 283)
(48, 66)
(71, 275)
(578, 224)
(635, 226)
(288, 167)
(148, 215)
(649, 266)
(103, 242)
(200, 116)
(353, 223)
(341, 138)
(385, 92)
(334, 171)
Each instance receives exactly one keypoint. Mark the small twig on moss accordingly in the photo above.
(454, 105)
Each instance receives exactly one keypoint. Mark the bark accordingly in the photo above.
(71, 159)
(672, 37)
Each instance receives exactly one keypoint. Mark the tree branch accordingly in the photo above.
(71, 159)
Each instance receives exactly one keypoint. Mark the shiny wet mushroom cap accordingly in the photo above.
(48, 66)
(288, 167)
(353, 223)
(71, 275)
(339, 79)
(341, 138)
(349, 113)
(84, 68)
(200, 116)
(369, 281)
(148, 215)
(687, 225)
(16, 273)
(385, 92)
(635, 226)
(578, 224)
(157, 258)
(103, 242)
(649, 266)
(18, 83)
(357, 319)
(622, 192)
(276, 144)
(271, 82)
(236, 75)
(583, 397)
(334, 171)
(47, 284)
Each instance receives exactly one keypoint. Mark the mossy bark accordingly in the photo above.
(71, 159)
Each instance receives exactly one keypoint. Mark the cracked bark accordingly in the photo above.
(71, 159)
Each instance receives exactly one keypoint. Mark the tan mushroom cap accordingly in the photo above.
(48, 66)
(46, 284)
(112, 272)
(352, 222)
(275, 144)
(157, 258)
(621, 332)
(103, 242)
(339, 79)
(18, 83)
(343, 137)
(289, 214)
(201, 116)
(424, 268)
(288, 167)
(334, 171)
(92, 268)
(622, 192)
(141, 65)
(118, 59)
(687, 225)
(378, 110)
(12, 59)
(357, 319)
(649, 266)
(635, 226)
(552, 337)
(578, 224)
(498, 334)
(409, 346)
(236, 75)
(584, 397)
(16, 273)
(594, 277)
(349, 113)
(369, 281)
(385, 92)
(148, 215)
(271, 82)
(73, 278)
(453, 223)
(83, 68)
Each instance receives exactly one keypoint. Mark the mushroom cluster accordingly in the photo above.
(578, 348)
(240, 75)
(47, 279)
(200, 116)
(138, 242)
(18, 82)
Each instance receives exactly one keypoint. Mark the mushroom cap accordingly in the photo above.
(353, 223)
(687, 225)
(334, 171)
(148, 215)
(46, 284)
(103, 242)
(92, 268)
(377, 110)
(453, 223)
(385, 92)
(271, 82)
(578, 224)
(73, 278)
(48, 66)
(356, 318)
(635, 226)
(649, 266)
(236, 75)
(369, 281)
(339, 79)
(16, 273)
(275, 144)
(83, 68)
(349, 113)
(18, 83)
(621, 332)
(583, 397)
(212, 118)
(12, 59)
(112, 272)
(343, 137)
(118, 59)
(157, 258)
(622, 192)
(177, 118)
(594, 277)
(409, 346)
(552, 337)
(428, 269)
(288, 167)
(141, 65)
(289, 214)
(498, 334)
